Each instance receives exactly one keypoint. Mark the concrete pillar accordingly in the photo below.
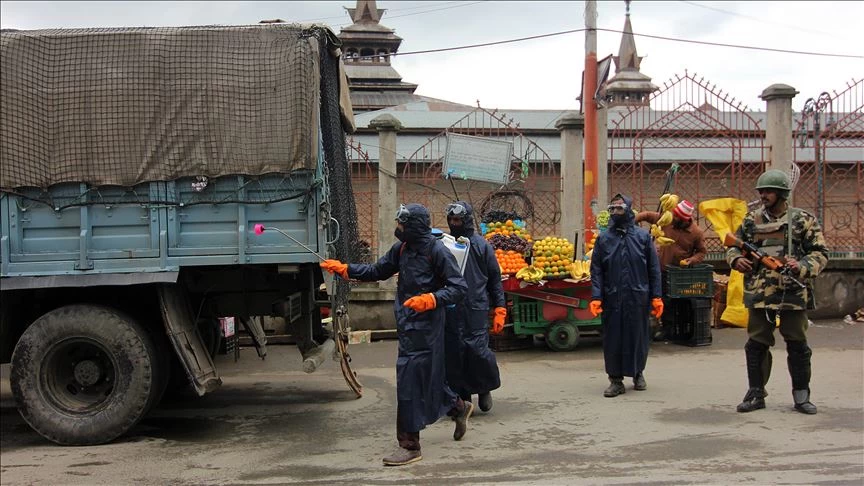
(602, 159)
(778, 125)
(388, 198)
(571, 126)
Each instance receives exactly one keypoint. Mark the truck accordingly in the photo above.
(135, 165)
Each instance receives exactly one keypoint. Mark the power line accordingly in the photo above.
(757, 19)
(738, 46)
(342, 17)
(672, 39)
(460, 4)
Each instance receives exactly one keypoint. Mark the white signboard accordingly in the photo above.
(477, 158)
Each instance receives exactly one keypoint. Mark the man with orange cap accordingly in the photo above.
(689, 246)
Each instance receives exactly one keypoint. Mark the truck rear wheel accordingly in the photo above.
(84, 374)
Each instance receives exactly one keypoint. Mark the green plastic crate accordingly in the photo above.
(687, 282)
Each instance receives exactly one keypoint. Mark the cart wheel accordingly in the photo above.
(562, 336)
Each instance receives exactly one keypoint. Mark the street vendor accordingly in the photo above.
(689, 242)
(471, 364)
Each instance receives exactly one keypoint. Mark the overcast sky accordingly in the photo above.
(542, 73)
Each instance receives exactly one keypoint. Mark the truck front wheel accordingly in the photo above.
(83, 374)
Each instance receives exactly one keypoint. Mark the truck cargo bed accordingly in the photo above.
(159, 226)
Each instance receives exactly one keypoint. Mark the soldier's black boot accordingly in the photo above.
(802, 401)
(616, 387)
(798, 359)
(759, 362)
(753, 400)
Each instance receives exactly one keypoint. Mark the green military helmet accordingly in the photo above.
(774, 179)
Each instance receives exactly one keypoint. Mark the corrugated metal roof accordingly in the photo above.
(419, 115)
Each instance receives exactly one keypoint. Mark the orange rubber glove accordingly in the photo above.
(421, 303)
(657, 305)
(337, 267)
(595, 308)
(498, 320)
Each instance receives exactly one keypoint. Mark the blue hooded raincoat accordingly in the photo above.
(471, 365)
(425, 266)
(625, 276)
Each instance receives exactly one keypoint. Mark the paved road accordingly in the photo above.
(273, 424)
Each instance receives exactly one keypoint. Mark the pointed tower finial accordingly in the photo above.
(366, 12)
(629, 86)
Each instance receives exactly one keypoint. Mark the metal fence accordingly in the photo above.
(718, 142)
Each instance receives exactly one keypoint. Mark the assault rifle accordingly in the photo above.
(772, 263)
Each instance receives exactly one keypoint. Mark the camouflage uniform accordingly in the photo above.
(768, 293)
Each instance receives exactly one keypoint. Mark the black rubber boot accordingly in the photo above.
(616, 387)
(462, 421)
(402, 457)
(484, 400)
(753, 400)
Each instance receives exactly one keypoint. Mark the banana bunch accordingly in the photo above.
(665, 218)
(667, 203)
(580, 270)
(530, 274)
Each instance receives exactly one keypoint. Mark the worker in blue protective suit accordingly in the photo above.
(429, 280)
(625, 284)
(471, 365)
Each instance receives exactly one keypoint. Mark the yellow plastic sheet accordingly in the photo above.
(726, 215)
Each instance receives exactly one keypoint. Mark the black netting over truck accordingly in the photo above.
(135, 166)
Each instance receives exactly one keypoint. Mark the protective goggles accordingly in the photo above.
(402, 214)
(616, 207)
(456, 210)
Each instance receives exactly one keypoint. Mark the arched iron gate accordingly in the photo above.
(717, 143)
(534, 190)
(364, 181)
(840, 139)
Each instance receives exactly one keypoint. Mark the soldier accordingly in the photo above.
(769, 295)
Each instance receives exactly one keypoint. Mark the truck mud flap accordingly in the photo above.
(187, 342)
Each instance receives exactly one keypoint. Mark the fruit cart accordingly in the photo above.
(548, 290)
(557, 309)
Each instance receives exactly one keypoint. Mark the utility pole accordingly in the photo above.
(589, 106)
